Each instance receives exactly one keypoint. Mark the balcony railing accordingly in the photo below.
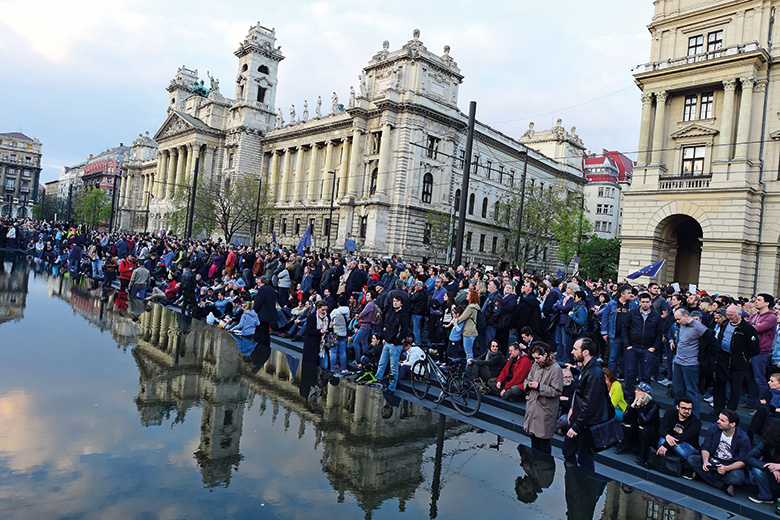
(731, 50)
(684, 183)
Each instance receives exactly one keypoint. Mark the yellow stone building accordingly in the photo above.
(705, 189)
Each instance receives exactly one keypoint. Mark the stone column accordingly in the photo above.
(160, 174)
(644, 129)
(284, 178)
(208, 165)
(727, 128)
(743, 124)
(298, 186)
(327, 178)
(384, 160)
(658, 131)
(181, 162)
(190, 163)
(311, 179)
(344, 168)
(354, 164)
(166, 190)
(145, 195)
(273, 176)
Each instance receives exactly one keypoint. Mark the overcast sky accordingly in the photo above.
(83, 76)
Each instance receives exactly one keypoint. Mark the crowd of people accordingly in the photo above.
(579, 353)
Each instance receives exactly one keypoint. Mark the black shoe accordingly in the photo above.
(729, 490)
(642, 462)
(620, 449)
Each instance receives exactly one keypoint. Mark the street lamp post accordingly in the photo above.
(330, 215)
(522, 205)
(257, 210)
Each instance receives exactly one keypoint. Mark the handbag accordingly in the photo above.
(553, 323)
(572, 329)
(605, 435)
(669, 464)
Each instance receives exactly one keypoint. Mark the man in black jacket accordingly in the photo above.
(590, 406)
(738, 344)
(395, 332)
(187, 290)
(418, 308)
(642, 333)
(679, 431)
(492, 310)
(265, 308)
(528, 311)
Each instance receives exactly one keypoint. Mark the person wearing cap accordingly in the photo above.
(640, 424)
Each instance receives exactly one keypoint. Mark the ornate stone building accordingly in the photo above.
(20, 170)
(609, 176)
(705, 191)
(386, 159)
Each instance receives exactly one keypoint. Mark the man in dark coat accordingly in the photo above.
(528, 311)
(265, 308)
(590, 406)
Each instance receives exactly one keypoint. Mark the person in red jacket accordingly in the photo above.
(509, 383)
(125, 268)
(231, 261)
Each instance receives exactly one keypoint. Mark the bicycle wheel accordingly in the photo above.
(465, 395)
(421, 379)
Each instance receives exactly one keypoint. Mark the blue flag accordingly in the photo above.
(273, 237)
(561, 274)
(305, 240)
(349, 245)
(648, 270)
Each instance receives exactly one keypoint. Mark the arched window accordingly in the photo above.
(372, 185)
(244, 68)
(427, 188)
(261, 95)
(262, 69)
(484, 207)
(497, 211)
(457, 201)
(471, 204)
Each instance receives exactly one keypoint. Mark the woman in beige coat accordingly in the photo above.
(544, 386)
(469, 319)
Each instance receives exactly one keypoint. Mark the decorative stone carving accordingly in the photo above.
(279, 119)
(446, 58)
(292, 114)
(530, 132)
(730, 84)
(175, 126)
(334, 101)
(351, 97)
(318, 107)
(363, 86)
(305, 114)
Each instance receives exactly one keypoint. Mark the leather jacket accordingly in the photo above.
(591, 399)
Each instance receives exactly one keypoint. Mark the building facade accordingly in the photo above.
(609, 176)
(705, 193)
(388, 158)
(20, 171)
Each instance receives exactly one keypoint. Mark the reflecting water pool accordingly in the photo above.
(115, 409)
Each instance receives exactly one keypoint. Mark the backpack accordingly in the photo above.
(376, 319)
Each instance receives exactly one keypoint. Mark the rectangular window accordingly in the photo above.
(695, 45)
(9, 184)
(433, 147)
(501, 173)
(326, 227)
(601, 192)
(363, 226)
(297, 226)
(482, 243)
(488, 168)
(284, 226)
(495, 244)
(512, 175)
(705, 112)
(476, 165)
(462, 160)
(609, 227)
(715, 41)
(689, 113)
(468, 240)
(427, 233)
(271, 225)
(693, 160)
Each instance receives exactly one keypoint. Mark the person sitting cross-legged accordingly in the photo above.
(640, 424)
(723, 453)
(764, 464)
(679, 430)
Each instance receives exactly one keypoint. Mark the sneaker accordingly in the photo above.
(665, 382)
(689, 475)
(745, 406)
(757, 500)
(709, 400)
(730, 490)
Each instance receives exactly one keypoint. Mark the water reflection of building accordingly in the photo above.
(626, 503)
(14, 273)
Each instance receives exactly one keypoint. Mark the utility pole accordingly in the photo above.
(257, 210)
(191, 209)
(70, 200)
(113, 198)
(522, 206)
(330, 215)
(464, 189)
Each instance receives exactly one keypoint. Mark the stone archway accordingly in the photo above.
(680, 239)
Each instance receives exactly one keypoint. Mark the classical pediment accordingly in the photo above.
(174, 125)
(694, 130)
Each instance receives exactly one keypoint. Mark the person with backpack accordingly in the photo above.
(369, 319)
(470, 318)
(576, 325)
(339, 319)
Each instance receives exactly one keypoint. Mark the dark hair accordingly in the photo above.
(541, 348)
(528, 331)
(683, 400)
(731, 415)
(343, 300)
(580, 294)
(378, 335)
(770, 434)
(645, 296)
(609, 375)
(767, 298)
(624, 288)
(589, 345)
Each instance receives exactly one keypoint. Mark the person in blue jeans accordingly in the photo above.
(764, 464)
(339, 319)
(396, 331)
(613, 316)
(723, 453)
(679, 430)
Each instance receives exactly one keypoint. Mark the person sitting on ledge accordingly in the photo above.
(509, 383)
(640, 424)
(679, 431)
(722, 460)
(764, 464)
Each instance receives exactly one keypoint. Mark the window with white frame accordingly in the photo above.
(692, 160)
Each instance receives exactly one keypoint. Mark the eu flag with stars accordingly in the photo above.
(305, 240)
(648, 270)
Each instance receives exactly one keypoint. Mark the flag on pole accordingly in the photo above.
(305, 240)
(349, 245)
(561, 274)
(273, 237)
(648, 270)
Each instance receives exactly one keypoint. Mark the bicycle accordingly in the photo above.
(455, 384)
